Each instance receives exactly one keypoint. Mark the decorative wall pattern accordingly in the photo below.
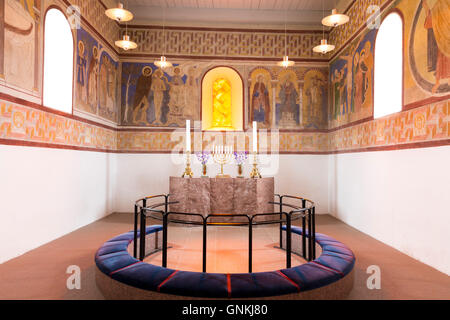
(256, 44)
(424, 124)
(359, 14)
(23, 123)
(94, 12)
(292, 142)
(427, 124)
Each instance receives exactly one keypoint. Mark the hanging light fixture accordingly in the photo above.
(122, 15)
(324, 47)
(119, 14)
(163, 63)
(126, 44)
(335, 19)
(286, 63)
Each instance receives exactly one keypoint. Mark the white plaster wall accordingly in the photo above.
(397, 197)
(47, 193)
(140, 175)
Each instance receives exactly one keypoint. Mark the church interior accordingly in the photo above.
(224, 149)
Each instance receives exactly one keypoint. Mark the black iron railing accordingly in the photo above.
(304, 210)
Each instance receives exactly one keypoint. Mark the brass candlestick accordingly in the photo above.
(188, 171)
(255, 172)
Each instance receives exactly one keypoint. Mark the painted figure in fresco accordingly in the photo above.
(358, 85)
(192, 92)
(93, 81)
(158, 87)
(288, 97)
(336, 94)
(343, 92)
(436, 23)
(103, 82)
(19, 44)
(81, 71)
(314, 98)
(260, 110)
(366, 65)
(177, 93)
(141, 102)
(111, 88)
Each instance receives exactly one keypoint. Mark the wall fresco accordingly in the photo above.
(351, 81)
(427, 52)
(21, 50)
(97, 77)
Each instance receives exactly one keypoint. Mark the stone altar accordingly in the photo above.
(222, 196)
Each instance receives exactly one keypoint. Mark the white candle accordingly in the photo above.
(255, 137)
(188, 135)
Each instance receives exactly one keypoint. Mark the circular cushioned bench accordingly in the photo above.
(121, 276)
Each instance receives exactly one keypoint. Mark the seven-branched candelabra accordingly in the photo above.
(222, 155)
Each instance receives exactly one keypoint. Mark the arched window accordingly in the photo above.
(389, 66)
(58, 62)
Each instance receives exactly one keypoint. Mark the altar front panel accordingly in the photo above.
(222, 196)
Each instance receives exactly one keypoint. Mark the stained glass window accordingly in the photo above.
(222, 104)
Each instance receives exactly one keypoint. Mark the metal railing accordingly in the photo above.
(304, 210)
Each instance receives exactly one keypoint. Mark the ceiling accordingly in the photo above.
(298, 14)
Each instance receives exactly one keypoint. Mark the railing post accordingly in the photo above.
(281, 222)
(166, 204)
(164, 241)
(304, 229)
(142, 235)
(310, 244)
(135, 230)
(250, 245)
(205, 225)
(288, 240)
(304, 235)
(314, 232)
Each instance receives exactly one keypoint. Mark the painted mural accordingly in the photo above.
(153, 97)
(108, 93)
(429, 46)
(287, 100)
(261, 97)
(20, 43)
(97, 76)
(166, 98)
(315, 100)
(351, 82)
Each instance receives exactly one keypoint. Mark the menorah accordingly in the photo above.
(222, 155)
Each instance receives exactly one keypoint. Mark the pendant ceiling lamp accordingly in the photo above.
(163, 63)
(324, 47)
(335, 19)
(126, 44)
(119, 14)
(286, 63)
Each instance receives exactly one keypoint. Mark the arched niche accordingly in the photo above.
(222, 100)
